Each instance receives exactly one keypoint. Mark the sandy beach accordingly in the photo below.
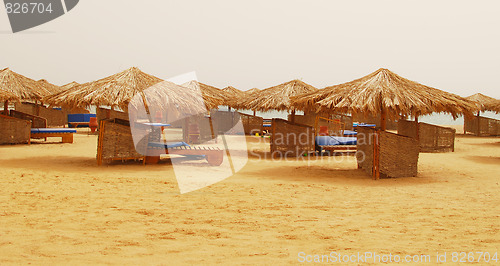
(58, 207)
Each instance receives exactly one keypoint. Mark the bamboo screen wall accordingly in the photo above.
(290, 140)
(55, 117)
(487, 126)
(115, 141)
(391, 154)
(431, 138)
(14, 130)
(310, 119)
(252, 124)
(36, 121)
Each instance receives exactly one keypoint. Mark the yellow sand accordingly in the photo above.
(57, 206)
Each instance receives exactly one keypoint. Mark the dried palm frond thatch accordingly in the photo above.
(115, 90)
(170, 97)
(49, 88)
(212, 96)
(22, 87)
(483, 102)
(7, 96)
(69, 85)
(276, 97)
(252, 91)
(386, 93)
(233, 95)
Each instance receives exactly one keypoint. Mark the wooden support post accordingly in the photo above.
(293, 116)
(6, 108)
(253, 112)
(383, 119)
(376, 155)
(479, 124)
(417, 127)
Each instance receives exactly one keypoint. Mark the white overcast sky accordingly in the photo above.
(449, 45)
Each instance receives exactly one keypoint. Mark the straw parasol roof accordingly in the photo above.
(483, 102)
(115, 90)
(384, 92)
(277, 97)
(168, 96)
(22, 87)
(212, 96)
(69, 85)
(7, 96)
(49, 87)
(233, 95)
(252, 91)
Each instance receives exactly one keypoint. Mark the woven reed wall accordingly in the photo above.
(225, 121)
(14, 130)
(307, 119)
(407, 128)
(398, 154)
(310, 119)
(55, 118)
(431, 138)
(488, 126)
(364, 153)
(291, 140)
(75, 110)
(36, 121)
(434, 138)
(102, 113)
(205, 126)
(115, 141)
(390, 124)
(252, 124)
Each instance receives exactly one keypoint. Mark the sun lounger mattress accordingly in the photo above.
(53, 130)
(334, 140)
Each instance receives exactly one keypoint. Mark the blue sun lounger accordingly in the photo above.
(214, 156)
(65, 133)
(333, 143)
(350, 133)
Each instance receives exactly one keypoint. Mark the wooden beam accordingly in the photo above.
(417, 127)
(6, 108)
(479, 124)
(293, 116)
(376, 156)
(383, 119)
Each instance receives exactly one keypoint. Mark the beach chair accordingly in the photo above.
(65, 133)
(214, 156)
(115, 142)
(331, 144)
(79, 120)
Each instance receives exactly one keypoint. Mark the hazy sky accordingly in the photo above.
(449, 45)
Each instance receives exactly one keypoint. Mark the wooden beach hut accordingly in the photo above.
(389, 95)
(480, 125)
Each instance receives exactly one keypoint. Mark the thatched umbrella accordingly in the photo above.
(114, 91)
(169, 97)
(49, 88)
(233, 95)
(7, 96)
(386, 93)
(278, 97)
(483, 102)
(252, 91)
(212, 96)
(22, 87)
(69, 85)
